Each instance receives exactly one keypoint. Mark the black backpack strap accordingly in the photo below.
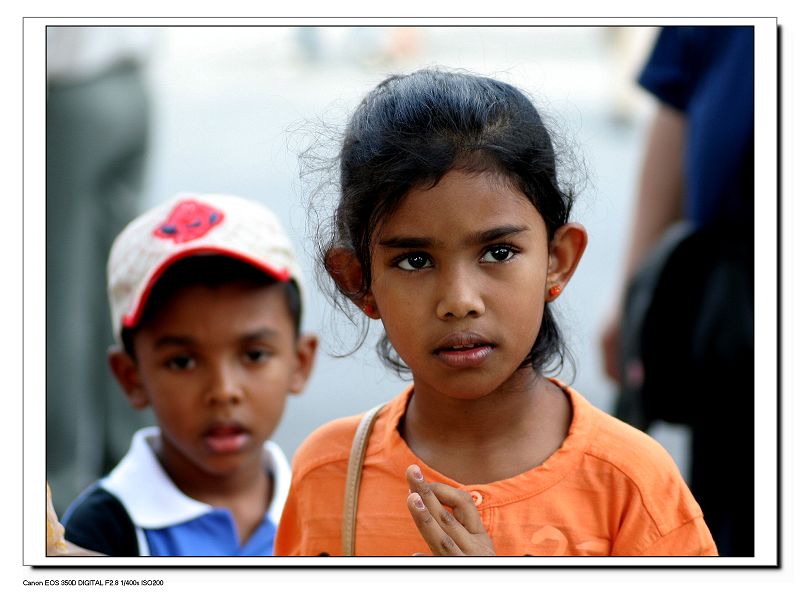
(100, 522)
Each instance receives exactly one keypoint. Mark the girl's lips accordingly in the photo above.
(464, 357)
(226, 438)
(463, 349)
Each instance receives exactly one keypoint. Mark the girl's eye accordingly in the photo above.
(183, 362)
(498, 254)
(414, 262)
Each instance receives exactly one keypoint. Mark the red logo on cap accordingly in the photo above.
(189, 220)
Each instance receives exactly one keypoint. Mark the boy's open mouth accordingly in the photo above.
(226, 437)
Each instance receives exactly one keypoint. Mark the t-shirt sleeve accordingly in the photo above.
(668, 524)
(98, 521)
(288, 538)
(311, 521)
(670, 72)
(690, 539)
(658, 515)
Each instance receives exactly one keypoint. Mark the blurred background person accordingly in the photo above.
(98, 119)
(698, 168)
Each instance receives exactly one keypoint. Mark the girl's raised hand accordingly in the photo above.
(460, 533)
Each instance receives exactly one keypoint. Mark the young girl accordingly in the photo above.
(452, 230)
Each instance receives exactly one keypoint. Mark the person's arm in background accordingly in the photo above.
(56, 544)
(659, 204)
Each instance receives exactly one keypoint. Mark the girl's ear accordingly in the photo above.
(343, 265)
(305, 352)
(126, 372)
(566, 249)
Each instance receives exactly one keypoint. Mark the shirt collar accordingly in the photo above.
(153, 501)
(529, 483)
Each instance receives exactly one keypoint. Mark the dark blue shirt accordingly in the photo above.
(707, 74)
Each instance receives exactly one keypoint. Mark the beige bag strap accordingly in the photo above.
(357, 453)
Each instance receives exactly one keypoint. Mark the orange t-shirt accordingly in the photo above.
(609, 490)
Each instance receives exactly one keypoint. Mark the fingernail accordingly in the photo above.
(418, 502)
(416, 473)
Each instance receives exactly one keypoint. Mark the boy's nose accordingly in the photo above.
(223, 386)
(459, 295)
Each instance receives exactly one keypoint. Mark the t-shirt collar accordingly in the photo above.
(153, 501)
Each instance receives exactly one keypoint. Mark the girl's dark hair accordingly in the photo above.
(409, 132)
(212, 271)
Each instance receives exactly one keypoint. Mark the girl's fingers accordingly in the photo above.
(447, 534)
(432, 532)
(434, 494)
(462, 504)
(460, 524)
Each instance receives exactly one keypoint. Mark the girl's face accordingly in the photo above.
(460, 275)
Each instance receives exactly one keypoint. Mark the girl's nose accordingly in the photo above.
(223, 387)
(460, 296)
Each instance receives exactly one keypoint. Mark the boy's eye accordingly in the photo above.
(180, 363)
(414, 262)
(498, 254)
(256, 355)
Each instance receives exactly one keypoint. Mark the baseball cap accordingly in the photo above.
(192, 225)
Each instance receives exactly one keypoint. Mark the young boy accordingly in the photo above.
(206, 298)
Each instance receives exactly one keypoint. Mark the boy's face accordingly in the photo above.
(216, 365)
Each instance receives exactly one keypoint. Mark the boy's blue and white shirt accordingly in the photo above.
(165, 521)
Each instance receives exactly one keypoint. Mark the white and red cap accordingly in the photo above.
(192, 225)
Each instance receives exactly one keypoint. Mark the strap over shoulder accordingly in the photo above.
(357, 453)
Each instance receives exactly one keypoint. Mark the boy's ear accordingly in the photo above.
(343, 265)
(126, 372)
(305, 353)
(566, 249)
